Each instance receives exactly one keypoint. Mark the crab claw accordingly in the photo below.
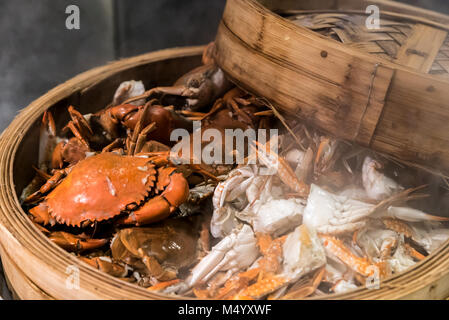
(75, 243)
(176, 192)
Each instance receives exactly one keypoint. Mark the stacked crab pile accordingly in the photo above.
(319, 216)
(332, 224)
(107, 174)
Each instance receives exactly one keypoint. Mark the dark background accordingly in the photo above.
(37, 52)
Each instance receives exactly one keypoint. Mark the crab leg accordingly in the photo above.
(76, 132)
(155, 269)
(137, 129)
(262, 287)
(237, 287)
(79, 126)
(175, 90)
(163, 285)
(141, 139)
(284, 171)
(47, 138)
(324, 156)
(114, 144)
(74, 243)
(264, 113)
(176, 192)
(413, 252)
(237, 284)
(42, 173)
(397, 226)
(217, 106)
(272, 252)
(306, 289)
(396, 199)
(79, 119)
(106, 265)
(361, 265)
(413, 215)
(51, 183)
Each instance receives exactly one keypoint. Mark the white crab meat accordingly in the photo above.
(295, 156)
(430, 235)
(241, 195)
(302, 253)
(235, 252)
(127, 90)
(231, 190)
(274, 217)
(343, 286)
(340, 275)
(376, 242)
(223, 221)
(401, 260)
(330, 213)
(335, 270)
(354, 193)
(376, 184)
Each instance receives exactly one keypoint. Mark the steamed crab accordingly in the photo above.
(161, 250)
(109, 185)
(198, 88)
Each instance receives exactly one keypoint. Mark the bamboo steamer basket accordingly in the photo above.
(385, 89)
(36, 268)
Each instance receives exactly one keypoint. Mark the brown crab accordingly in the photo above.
(162, 250)
(198, 88)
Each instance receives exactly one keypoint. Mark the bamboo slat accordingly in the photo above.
(421, 48)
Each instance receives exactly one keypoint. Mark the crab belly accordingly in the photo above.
(101, 187)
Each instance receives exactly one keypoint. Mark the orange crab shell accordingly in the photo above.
(101, 187)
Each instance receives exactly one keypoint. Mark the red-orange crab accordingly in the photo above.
(108, 185)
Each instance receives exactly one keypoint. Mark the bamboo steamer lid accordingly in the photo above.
(385, 89)
(36, 268)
